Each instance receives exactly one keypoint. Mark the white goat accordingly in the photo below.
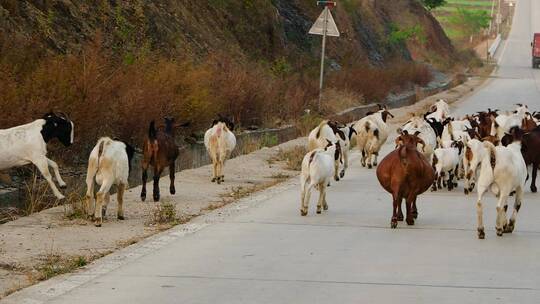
(372, 134)
(455, 130)
(220, 142)
(318, 138)
(27, 144)
(502, 171)
(473, 155)
(504, 122)
(440, 111)
(108, 164)
(418, 124)
(446, 162)
(317, 171)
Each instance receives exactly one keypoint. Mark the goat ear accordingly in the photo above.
(405, 132)
(417, 133)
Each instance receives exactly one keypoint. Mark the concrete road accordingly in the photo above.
(261, 251)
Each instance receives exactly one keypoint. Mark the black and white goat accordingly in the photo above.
(27, 144)
(320, 136)
(317, 171)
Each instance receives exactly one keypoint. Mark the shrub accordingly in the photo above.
(376, 83)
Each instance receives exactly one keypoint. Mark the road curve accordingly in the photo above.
(267, 253)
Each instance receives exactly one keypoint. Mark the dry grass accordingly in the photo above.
(292, 157)
(375, 83)
(96, 84)
(337, 101)
(163, 213)
(9, 214)
(57, 264)
(38, 194)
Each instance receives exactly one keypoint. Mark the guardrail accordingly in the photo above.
(494, 46)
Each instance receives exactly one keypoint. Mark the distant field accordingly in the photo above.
(444, 14)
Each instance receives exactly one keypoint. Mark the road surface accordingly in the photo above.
(262, 251)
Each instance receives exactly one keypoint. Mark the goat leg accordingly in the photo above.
(172, 167)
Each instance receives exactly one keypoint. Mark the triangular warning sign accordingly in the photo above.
(319, 26)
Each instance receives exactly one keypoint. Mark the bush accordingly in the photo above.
(374, 83)
(106, 95)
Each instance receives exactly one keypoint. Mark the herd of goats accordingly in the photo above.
(489, 150)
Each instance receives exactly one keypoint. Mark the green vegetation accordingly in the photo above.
(400, 36)
(464, 20)
(431, 4)
(470, 22)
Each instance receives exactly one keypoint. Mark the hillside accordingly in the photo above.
(256, 28)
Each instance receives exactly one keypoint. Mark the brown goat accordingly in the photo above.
(485, 120)
(160, 151)
(405, 173)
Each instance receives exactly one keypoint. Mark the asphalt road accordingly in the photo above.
(262, 251)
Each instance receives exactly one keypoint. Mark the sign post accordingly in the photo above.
(325, 26)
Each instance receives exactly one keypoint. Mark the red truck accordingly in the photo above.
(536, 51)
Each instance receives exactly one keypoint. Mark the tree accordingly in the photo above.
(431, 4)
(470, 22)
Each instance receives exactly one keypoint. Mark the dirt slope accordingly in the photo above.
(278, 27)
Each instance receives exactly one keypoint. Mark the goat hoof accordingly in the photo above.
(466, 191)
(481, 233)
(64, 186)
(342, 174)
(410, 222)
(121, 217)
(172, 191)
(393, 224)
(509, 228)
(370, 166)
(534, 190)
(499, 232)
(143, 196)
(156, 197)
(325, 207)
(213, 180)
(97, 224)
(319, 211)
(400, 218)
(415, 215)
(303, 213)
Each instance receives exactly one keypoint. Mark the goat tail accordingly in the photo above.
(101, 147)
(152, 132)
(451, 131)
(367, 127)
(219, 130)
(324, 122)
(492, 155)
